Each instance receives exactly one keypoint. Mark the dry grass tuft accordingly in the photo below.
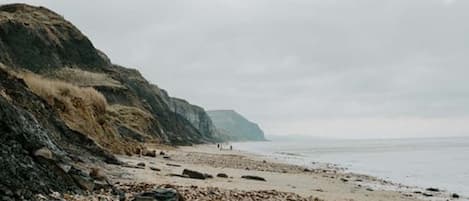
(72, 96)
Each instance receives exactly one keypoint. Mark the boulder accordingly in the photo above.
(454, 195)
(141, 164)
(251, 177)
(194, 174)
(160, 194)
(433, 189)
(44, 152)
(155, 169)
(222, 175)
(149, 153)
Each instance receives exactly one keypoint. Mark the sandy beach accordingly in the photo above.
(282, 181)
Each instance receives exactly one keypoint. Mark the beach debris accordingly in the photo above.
(155, 169)
(222, 175)
(431, 189)
(44, 152)
(251, 177)
(141, 164)
(160, 194)
(173, 165)
(194, 174)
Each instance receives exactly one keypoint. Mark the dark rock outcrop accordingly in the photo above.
(251, 177)
(36, 144)
(160, 194)
(235, 126)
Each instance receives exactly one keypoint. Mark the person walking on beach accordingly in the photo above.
(231, 147)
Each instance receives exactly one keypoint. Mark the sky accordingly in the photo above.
(329, 68)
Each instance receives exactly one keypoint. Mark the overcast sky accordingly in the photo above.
(335, 68)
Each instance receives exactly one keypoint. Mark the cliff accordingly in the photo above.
(37, 40)
(235, 126)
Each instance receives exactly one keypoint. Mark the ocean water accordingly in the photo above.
(436, 162)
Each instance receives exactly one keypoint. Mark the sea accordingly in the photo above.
(431, 162)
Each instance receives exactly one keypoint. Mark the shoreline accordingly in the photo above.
(282, 181)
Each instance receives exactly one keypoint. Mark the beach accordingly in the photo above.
(282, 181)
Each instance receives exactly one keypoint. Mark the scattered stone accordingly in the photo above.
(222, 175)
(418, 192)
(162, 153)
(166, 157)
(454, 195)
(149, 153)
(82, 179)
(427, 194)
(44, 152)
(132, 166)
(173, 165)
(119, 193)
(343, 180)
(160, 194)
(369, 189)
(433, 189)
(177, 175)
(155, 169)
(194, 174)
(98, 174)
(141, 164)
(251, 177)
(98, 185)
(306, 170)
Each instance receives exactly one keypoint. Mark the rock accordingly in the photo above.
(427, 194)
(173, 165)
(454, 195)
(306, 170)
(166, 157)
(160, 194)
(82, 179)
(208, 176)
(155, 169)
(194, 174)
(119, 193)
(369, 189)
(162, 153)
(177, 175)
(251, 177)
(343, 180)
(141, 164)
(98, 174)
(433, 189)
(149, 153)
(132, 166)
(98, 185)
(44, 152)
(222, 175)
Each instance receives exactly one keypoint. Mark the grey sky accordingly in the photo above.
(337, 68)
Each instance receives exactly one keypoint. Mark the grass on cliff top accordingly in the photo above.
(85, 78)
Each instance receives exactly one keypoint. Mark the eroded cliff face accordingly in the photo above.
(41, 41)
(29, 124)
(235, 126)
(196, 115)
